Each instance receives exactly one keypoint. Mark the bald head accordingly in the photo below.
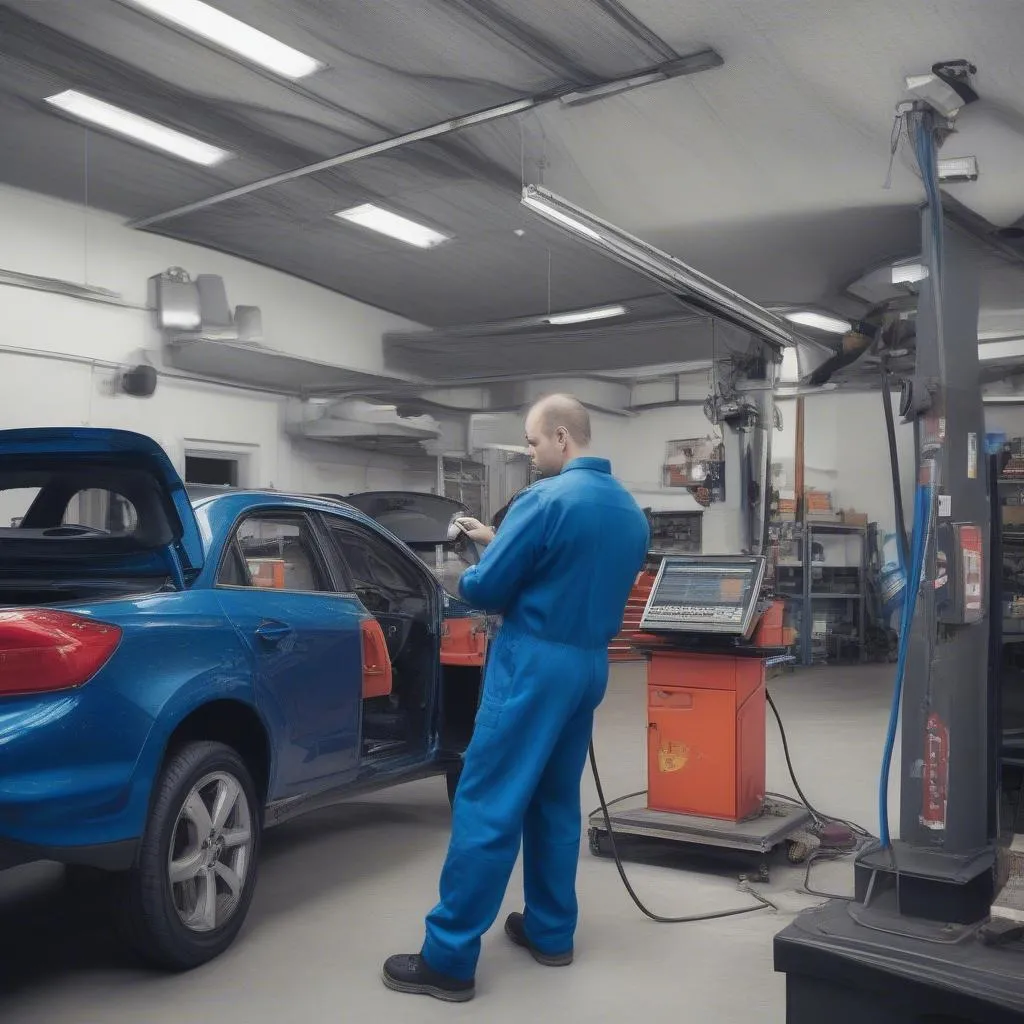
(554, 411)
(557, 431)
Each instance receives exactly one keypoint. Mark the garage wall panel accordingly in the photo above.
(52, 382)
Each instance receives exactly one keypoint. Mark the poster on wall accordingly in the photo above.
(697, 464)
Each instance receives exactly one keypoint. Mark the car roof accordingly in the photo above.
(266, 497)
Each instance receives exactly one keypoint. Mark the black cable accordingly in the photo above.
(811, 861)
(762, 904)
(894, 465)
(819, 818)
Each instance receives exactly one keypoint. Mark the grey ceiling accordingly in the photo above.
(766, 173)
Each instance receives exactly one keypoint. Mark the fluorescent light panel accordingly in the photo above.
(221, 29)
(140, 129)
(1010, 348)
(958, 168)
(819, 321)
(545, 210)
(583, 315)
(376, 218)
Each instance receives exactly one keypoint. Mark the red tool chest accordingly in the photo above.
(706, 734)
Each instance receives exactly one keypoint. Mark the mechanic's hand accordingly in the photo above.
(476, 530)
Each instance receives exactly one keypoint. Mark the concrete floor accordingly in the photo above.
(342, 889)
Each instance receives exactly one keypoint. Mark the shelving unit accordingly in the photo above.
(826, 598)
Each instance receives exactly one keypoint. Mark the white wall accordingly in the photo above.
(846, 452)
(52, 239)
(636, 447)
(1006, 419)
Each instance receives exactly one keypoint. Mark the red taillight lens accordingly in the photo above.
(43, 650)
(376, 661)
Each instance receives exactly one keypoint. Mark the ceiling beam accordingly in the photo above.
(637, 28)
(520, 35)
(701, 61)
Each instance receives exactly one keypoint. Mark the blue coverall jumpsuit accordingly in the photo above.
(559, 570)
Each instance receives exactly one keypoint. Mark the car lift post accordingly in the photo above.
(908, 948)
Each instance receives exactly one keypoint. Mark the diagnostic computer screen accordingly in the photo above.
(705, 594)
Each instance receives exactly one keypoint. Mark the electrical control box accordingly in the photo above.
(960, 588)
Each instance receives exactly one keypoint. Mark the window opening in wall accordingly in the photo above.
(202, 469)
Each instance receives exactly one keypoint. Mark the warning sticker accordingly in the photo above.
(972, 456)
(945, 506)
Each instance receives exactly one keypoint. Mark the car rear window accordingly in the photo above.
(80, 509)
(14, 503)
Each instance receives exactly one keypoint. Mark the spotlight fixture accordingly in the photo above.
(908, 273)
(958, 168)
(947, 89)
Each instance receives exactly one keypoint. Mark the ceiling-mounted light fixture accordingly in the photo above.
(819, 321)
(672, 274)
(958, 168)
(139, 129)
(908, 273)
(947, 89)
(705, 60)
(584, 315)
(562, 219)
(1006, 348)
(375, 218)
(222, 30)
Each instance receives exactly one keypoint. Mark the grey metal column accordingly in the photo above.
(945, 712)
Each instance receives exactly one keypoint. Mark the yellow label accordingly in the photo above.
(673, 757)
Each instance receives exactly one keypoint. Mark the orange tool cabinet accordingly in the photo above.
(705, 734)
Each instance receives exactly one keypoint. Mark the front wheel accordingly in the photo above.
(190, 890)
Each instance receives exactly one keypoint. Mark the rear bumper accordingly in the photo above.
(108, 856)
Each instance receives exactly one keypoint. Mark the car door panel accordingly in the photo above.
(306, 647)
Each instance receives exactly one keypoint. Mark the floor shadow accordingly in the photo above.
(51, 927)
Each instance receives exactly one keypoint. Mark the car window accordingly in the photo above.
(103, 510)
(278, 552)
(14, 503)
(370, 563)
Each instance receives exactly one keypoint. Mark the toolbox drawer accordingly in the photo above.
(691, 758)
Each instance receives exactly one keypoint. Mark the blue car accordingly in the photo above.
(178, 674)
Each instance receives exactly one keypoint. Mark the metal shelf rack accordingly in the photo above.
(826, 593)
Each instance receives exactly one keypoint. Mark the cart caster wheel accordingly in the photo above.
(797, 852)
(763, 874)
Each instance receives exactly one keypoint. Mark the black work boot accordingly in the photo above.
(409, 972)
(515, 929)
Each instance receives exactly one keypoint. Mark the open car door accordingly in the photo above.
(421, 522)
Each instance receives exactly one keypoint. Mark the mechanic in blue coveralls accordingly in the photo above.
(559, 571)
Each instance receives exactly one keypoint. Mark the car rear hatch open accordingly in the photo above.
(83, 506)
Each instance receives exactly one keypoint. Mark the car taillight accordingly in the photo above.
(43, 650)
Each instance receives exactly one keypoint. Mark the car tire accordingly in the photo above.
(186, 898)
(452, 780)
